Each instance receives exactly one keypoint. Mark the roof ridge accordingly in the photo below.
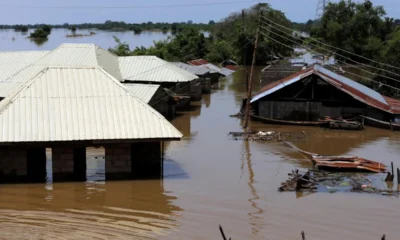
(119, 84)
(6, 102)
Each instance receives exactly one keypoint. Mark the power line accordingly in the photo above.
(129, 7)
(368, 79)
(337, 54)
(340, 49)
(337, 59)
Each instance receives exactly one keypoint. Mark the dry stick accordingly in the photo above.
(222, 232)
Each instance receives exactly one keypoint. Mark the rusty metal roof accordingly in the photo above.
(353, 88)
(213, 68)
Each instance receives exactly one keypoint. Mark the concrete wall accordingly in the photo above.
(309, 111)
(13, 165)
(118, 161)
(133, 161)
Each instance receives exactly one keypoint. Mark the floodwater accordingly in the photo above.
(211, 179)
(18, 41)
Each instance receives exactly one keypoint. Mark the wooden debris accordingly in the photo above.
(342, 163)
(314, 180)
(267, 136)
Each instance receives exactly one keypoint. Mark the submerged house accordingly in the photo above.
(154, 70)
(17, 67)
(154, 95)
(203, 73)
(317, 92)
(214, 70)
(69, 109)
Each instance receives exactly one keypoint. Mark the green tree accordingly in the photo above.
(47, 29)
(356, 27)
(39, 33)
(73, 30)
(230, 30)
(137, 30)
(121, 49)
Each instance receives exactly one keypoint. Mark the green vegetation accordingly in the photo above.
(365, 30)
(226, 41)
(73, 30)
(20, 28)
(119, 25)
(40, 33)
(137, 29)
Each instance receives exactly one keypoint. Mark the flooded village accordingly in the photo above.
(97, 144)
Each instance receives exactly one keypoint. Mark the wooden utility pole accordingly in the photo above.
(250, 84)
(244, 53)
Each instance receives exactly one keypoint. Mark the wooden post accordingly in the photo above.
(303, 235)
(392, 169)
(398, 176)
(250, 85)
(244, 54)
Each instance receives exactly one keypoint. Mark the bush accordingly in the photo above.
(39, 33)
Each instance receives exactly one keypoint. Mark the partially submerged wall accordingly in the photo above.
(310, 111)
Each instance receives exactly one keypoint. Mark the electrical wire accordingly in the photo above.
(366, 65)
(128, 7)
(396, 80)
(368, 79)
(340, 49)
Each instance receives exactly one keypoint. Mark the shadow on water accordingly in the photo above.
(172, 170)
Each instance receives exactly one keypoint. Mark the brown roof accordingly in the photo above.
(353, 88)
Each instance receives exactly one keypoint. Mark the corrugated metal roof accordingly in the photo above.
(152, 69)
(65, 55)
(226, 71)
(354, 89)
(213, 68)
(12, 62)
(82, 55)
(144, 92)
(196, 70)
(73, 104)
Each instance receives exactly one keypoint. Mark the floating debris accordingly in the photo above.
(322, 181)
(267, 136)
(342, 163)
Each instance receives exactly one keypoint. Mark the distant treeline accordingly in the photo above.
(115, 25)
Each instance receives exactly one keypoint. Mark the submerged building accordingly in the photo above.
(69, 109)
(317, 92)
(154, 70)
(71, 98)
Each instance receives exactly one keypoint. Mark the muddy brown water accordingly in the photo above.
(211, 179)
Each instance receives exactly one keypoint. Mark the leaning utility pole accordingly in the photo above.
(244, 52)
(250, 84)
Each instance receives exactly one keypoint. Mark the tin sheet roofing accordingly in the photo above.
(74, 104)
(196, 70)
(12, 62)
(65, 55)
(152, 69)
(355, 89)
(213, 68)
(144, 92)
(82, 55)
